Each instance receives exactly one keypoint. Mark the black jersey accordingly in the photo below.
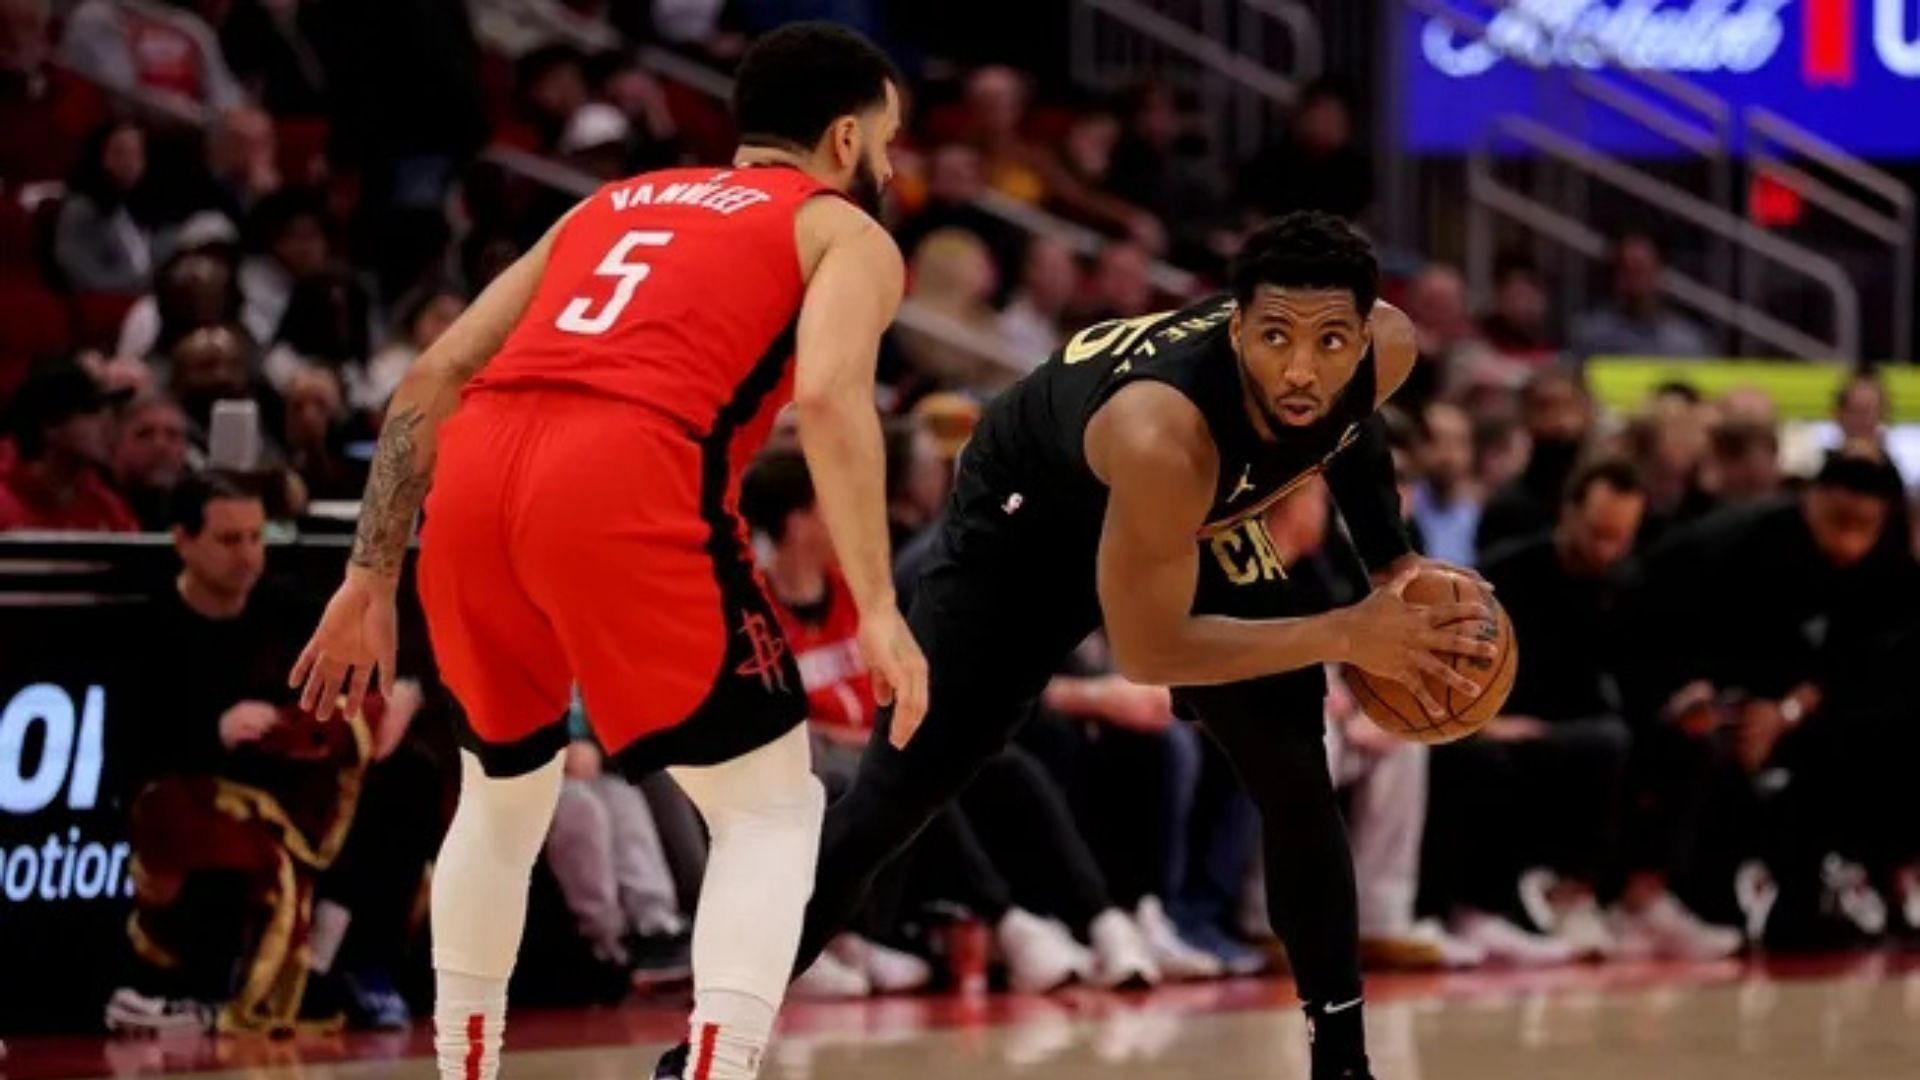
(1031, 440)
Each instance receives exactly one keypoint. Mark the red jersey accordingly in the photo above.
(677, 290)
(826, 646)
(26, 503)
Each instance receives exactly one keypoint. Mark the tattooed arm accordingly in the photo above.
(357, 637)
(409, 440)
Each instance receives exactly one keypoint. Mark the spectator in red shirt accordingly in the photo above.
(63, 425)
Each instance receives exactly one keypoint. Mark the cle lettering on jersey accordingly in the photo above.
(720, 198)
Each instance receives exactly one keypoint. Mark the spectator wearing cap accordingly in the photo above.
(1636, 321)
(150, 458)
(62, 424)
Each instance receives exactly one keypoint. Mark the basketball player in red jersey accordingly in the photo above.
(583, 429)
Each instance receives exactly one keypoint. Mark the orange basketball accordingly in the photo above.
(1397, 711)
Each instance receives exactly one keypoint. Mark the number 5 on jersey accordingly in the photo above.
(626, 271)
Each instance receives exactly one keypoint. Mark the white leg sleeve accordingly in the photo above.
(763, 810)
(480, 909)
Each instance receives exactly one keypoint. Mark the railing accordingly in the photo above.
(1489, 196)
(1893, 223)
(1702, 123)
(1226, 59)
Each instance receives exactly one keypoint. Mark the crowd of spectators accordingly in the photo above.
(239, 221)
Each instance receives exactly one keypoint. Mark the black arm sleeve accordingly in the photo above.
(1361, 478)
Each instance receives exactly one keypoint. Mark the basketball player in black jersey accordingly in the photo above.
(1124, 483)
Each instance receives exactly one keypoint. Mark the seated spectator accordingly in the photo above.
(99, 244)
(949, 419)
(919, 475)
(247, 800)
(1668, 444)
(422, 317)
(1077, 183)
(654, 142)
(62, 424)
(1566, 595)
(550, 88)
(243, 164)
(198, 286)
(287, 241)
(1824, 715)
(150, 458)
(1014, 165)
(36, 95)
(1743, 461)
(951, 282)
(1636, 321)
(1516, 327)
(1121, 284)
(326, 328)
(1446, 500)
(1032, 323)
(212, 365)
(1160, 167)
(1317, 167)
(144, 46)
(1500, 451)
(954, 186)
(1449, 342)
(1860, 410)
(607, 856)
(316, 437)
(1558, 417)
(1749, 405)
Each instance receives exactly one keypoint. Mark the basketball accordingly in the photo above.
(1394, 708)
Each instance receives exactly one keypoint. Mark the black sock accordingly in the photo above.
(1337, 1033)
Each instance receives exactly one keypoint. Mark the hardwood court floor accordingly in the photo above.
(1843, 1017)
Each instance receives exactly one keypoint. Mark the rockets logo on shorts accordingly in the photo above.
(767, 650)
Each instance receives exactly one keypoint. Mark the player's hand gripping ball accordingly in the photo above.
(1392, 705)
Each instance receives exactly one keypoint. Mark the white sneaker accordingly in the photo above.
(1666, 930)
(1754, 889)
(1122, 957)
(1457, 953)
(1501, 942)
(132, 1012)
(1176, 959)
(888, 971)
(829, 979)
(1583, 929)
(1041, 956)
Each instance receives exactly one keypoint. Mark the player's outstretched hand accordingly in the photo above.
(1400, 641)
(899, 670)
(356, 638)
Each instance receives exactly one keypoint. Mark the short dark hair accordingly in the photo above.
(1679, 388)
(775, 486)
(1860, 377)
(196, 491)
(797, 80)
(1617, 473)
(276, 213)
(1307, 249)
(1862, 472)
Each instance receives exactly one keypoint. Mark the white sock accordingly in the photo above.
(469, 1018)
(328, 930)
(728, 1035)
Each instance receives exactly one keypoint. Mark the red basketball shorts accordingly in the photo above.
(574, 539)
